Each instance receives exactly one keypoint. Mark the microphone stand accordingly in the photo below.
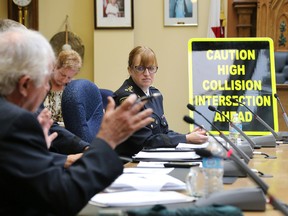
(230, 168)
(264, 141)
(250, 141)
(217, 197)
(283, 134)
(238, 150)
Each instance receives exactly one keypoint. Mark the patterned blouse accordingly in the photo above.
(53, 103)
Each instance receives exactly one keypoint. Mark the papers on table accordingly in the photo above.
(181, 147)
(138, 198)
(166, 156)
(191, 146)
(142, 186)
(146, 180)
(149, 170)
(182, 152)
(146, 164)
(184, 164)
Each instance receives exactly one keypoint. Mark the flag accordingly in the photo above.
(215, 28)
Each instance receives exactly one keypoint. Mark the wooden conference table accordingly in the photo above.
(278, 184)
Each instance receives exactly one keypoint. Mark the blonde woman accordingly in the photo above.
(67, 66)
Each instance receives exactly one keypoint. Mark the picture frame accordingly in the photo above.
(180, 12)
(109, 16)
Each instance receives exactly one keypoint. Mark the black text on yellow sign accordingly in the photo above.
(238, 68)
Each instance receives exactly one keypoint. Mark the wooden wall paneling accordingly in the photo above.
(282, 90)
(280, 15)
(246, 12)
(272, 21)
(263, 17)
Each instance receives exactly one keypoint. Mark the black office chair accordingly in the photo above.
(82, 108)
(281, 64)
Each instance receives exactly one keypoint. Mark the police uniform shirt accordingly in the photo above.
(154, 135)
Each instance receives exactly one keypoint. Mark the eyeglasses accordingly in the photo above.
(142, 69)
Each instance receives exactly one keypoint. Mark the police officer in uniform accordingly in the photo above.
(142, 66)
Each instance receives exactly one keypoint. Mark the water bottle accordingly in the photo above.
(195, 182)
(234, 135)
(213, 168)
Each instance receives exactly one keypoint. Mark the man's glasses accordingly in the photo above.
(142, 69)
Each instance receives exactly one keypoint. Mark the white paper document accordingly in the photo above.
(191, 146)
(166, 156)
(138, 198)
(148, 170)
(145, 182)
(145, 164)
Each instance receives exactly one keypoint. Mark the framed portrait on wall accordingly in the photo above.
(180, 12)
(113, 14)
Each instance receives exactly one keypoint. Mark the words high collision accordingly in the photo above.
(235, 84)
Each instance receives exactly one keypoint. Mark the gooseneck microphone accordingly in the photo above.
(282, 134)
(202, 151)
(250, 199)
(231, 169)
(248, 149)
(264, 187)
(237, 197)
(263, 141)
(258, 118)
(238, 150)
(251, 142)
(245, 148)
(282, 108)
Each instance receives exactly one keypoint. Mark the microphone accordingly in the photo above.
(263, 141)
(250, 141)
(263, 186)
(236, 148)
(282, 108)
(250, 199)
(284, 135)
(230, 168)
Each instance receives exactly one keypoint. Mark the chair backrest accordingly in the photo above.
(82, 108)
(105, 93)
(281, 62)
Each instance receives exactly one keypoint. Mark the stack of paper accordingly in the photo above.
(166, 156)
(146, 186)
(191, 146)
(138, 198)
(145, 180)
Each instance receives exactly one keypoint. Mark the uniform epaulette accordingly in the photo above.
(153, 89)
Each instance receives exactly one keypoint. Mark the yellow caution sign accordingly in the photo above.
(225, 71)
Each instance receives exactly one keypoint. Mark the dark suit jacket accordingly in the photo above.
(33, 182)
(66, 142)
